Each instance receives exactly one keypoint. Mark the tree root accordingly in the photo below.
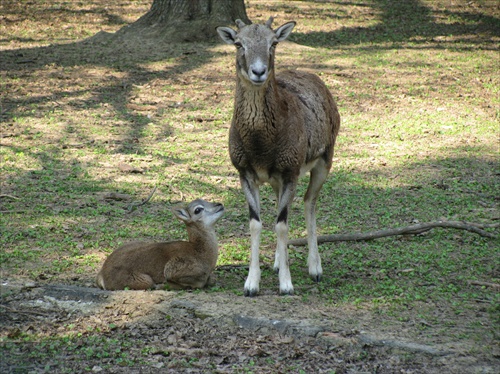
(408, 230)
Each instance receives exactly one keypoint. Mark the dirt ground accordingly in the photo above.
(217, 332)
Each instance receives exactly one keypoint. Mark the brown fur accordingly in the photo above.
(293, 122)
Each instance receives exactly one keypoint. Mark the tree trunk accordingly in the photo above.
(186, 20)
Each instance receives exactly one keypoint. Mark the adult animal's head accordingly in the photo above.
(255, 46)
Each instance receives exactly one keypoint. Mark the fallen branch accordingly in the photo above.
(408, 230)
(232, 266)
(486, 284)
(9, 196)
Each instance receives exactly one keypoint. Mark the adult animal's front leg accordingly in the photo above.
(251, 191)
(318, 177)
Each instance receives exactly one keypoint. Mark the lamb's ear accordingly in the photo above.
(283, 31)
(181, 213)
(227, 34)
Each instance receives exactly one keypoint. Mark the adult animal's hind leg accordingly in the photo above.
(318, 176)
(277, 188)
(286, 194)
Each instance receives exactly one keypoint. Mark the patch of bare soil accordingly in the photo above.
(207, 332)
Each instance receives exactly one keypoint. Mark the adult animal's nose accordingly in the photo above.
(260, 71)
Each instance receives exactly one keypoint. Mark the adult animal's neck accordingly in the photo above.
(255, 104)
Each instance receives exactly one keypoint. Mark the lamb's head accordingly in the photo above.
(255, 48)
(199, 212)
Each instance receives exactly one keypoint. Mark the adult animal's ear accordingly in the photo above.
(180, 212)
(227, 34)
(283, 31)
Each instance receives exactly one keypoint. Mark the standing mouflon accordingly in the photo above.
(283, 126)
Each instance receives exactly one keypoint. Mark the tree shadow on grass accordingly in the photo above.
(404, 21)
(400, 22)
(98, 51)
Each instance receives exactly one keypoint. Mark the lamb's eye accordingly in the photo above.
(238, 45)
(198, 210)
(274, 44)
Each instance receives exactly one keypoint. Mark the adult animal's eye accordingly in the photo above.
(238, 45)
(198, 210)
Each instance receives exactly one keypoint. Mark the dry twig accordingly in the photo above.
(408, 230)
(132, 206)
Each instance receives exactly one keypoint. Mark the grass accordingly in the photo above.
(418, 90)
(55, 352)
